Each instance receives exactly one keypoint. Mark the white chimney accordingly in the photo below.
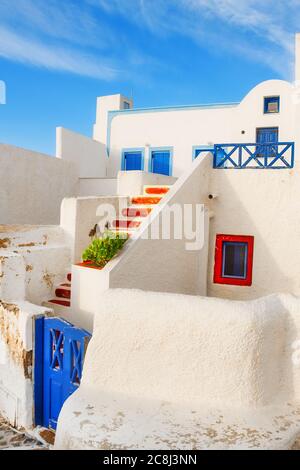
(297, 58)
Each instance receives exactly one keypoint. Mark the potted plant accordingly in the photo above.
(102, 250)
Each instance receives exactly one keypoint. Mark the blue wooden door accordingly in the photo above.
(132, 161)
(266, 137)
(161, 162)
(64, 350)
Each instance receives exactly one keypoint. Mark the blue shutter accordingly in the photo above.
(267, 135)
(161, 162)
(132, 161)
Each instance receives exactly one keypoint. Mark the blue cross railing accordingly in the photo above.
(259, 156)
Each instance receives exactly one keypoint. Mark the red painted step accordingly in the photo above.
(157, 190)
(64, 303)
(132, 212)
(69, 277)
(63, 293)
(145, 200)
(125, 224)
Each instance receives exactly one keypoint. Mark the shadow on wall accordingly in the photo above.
(263, 204)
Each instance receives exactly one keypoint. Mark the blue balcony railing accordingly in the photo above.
(260, 156)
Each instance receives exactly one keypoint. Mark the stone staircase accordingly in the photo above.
(140, 208)
(129, 222)
(62, 295)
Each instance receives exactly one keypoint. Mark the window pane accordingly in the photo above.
(235, 260)
(272, 104)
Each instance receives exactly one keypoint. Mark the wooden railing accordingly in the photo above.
(259, 156)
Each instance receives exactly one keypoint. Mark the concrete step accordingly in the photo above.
(135, 212)
(147, 200)
(156, 190)
(125, 223)
(57, 301)
(63, 292)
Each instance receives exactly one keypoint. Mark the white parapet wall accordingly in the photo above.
(32, 186)
(17, 361)
(33, 261)
(166, 371)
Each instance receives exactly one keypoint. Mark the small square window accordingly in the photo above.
(234, 260)
(126, 105)
(272, 104)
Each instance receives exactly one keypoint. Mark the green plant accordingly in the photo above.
(103, 249)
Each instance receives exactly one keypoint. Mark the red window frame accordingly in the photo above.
(218, 277)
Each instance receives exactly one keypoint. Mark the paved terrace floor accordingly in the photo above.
(18, 440)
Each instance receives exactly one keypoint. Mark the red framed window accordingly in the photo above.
(234, 260)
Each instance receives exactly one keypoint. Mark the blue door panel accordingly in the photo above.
(265, 137)
(161, 162)
(268, 135)
(56, 398)
(133, 161)
(64, 350)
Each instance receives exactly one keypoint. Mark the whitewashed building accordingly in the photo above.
(239, 162)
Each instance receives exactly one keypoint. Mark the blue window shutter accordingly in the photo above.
(132, 161)
(161, 162)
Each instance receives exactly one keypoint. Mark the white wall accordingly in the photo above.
(33, 261)
(97, 187)
(89, 156)
(187, 372)
(266, 205)
(104, 105)
(127, 183)
(184, 128)
(32, 186)
(131, 183)
(16, 361)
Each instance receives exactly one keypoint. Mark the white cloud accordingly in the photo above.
(31, 51)
(73, 36)
(60, 35)
(223, 24)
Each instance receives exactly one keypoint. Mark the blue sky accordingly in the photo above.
(57, 56)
